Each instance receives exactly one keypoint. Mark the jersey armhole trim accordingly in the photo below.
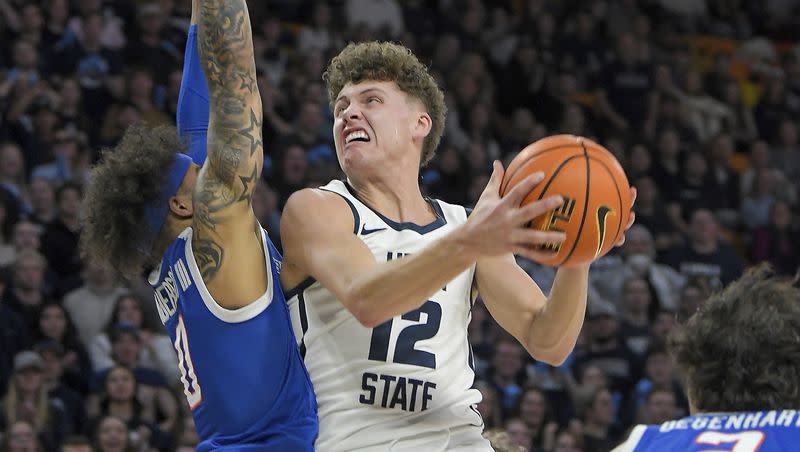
(633, 439)
(244, 313)
(356, 216)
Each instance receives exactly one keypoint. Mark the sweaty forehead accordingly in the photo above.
(352, 89)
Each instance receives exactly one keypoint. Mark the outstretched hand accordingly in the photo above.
(499, 225)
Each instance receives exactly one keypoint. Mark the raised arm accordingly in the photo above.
(227, 237)
(193, 100)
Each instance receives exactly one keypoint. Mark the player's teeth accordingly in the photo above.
(357, 134)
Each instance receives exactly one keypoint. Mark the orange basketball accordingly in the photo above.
(595, 189)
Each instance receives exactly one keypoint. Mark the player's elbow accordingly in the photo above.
(364, 312)
(553, 358)
(553, 354)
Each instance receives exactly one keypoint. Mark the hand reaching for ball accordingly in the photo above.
(597, 197)
(500, 225)
(631, 219)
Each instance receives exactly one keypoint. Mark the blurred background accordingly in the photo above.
(698, 99)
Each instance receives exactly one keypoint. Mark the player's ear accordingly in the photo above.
(181, 206)
(423, 125)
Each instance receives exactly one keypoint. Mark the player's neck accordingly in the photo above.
(396, 197)
(171, 230)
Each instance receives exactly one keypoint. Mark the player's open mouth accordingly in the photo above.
(356, 135)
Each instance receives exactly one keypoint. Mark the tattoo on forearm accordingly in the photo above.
(235, 144)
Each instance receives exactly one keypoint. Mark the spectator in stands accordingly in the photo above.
(27, 400)
(119, 399)
(724, 178)
(660, 407)
(21, 437)
(56, 325)
(76, 443)
(518, 433)
(706, 254)
(112, 435)
(52, 354)
(756, 205)
(639, 260)
(786, 152)
(507, 373)
(61, 237)
(567, 442)
(760, 159)
(24, 235)
(157, 351)
(70, 159)
(598, 418)
(91, 305)
(659, 374)
(12, 171)
(152, 389)
(695, 190)
(534, 411)
(28, 293)
(15, 335)
(489, 406)
(777, 242)
(693, 294)
(637, 308)
(97, 65)
(42, 196)
(152, 50)
(605, 350)
(623, 94)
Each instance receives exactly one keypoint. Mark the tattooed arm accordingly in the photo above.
(227, 238)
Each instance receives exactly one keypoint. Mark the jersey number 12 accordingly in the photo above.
(404, 351)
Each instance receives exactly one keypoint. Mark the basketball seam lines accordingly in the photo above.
(522, 165)
(619, 196)
(585, 204)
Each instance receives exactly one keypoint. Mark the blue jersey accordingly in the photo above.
(241, 369)
(760, 431)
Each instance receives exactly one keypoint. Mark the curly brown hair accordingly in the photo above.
(127, 179)
(741, 350)
(389, 62)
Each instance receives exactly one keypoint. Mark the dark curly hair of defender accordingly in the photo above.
(389, 62)
(741, 350)
(127, 179)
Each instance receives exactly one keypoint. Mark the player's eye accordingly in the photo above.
(374, 99)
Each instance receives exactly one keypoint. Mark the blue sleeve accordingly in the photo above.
(193, 101)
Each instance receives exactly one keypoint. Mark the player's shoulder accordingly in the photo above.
(313, 207)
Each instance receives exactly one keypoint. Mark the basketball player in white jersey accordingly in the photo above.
(384, 278)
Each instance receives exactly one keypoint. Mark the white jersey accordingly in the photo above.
(405, 384)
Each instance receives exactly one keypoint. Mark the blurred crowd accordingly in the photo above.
(698, 99)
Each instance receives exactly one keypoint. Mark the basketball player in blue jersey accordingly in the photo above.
(740, 354)
(217, 282)
(383, 278)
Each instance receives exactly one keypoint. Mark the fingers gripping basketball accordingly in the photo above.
(596, 194)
